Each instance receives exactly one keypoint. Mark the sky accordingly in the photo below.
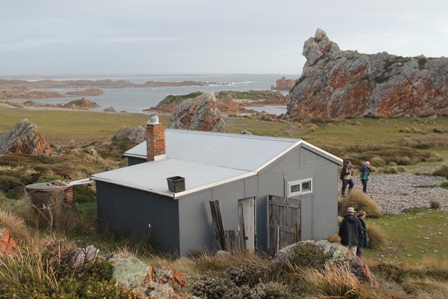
(137, 37)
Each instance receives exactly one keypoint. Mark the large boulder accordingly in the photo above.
(136, 134)
(24, 138)
(284, 84)
(146, 279)
(335, 255)
(339, 84)
(200, 113)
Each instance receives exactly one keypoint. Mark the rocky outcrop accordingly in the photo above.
(24, 138)
(181, 83)
(226, 101)
(85, 93)
(284, 84)
(136, 134)
(339, 84)
(110, 109)
(82, 103)
(335, 255)
(199, 114)
(33, 95)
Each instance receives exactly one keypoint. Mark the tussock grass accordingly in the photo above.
(378, 161)
(426, 141)
(360, 201)
(331, 282)
(426, 289)
(334, 239)
(434, 204)
(442, 171)
(377, 237)
(312, 127)
(16, 226)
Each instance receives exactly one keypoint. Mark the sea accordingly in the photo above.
(135, 100)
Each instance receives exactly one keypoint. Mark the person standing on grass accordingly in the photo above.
(364, 239)
(346, 177)
(365, 173)
(350, 231)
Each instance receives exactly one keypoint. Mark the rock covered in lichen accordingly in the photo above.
(337, 84)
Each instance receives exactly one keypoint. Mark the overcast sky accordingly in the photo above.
(58, 37)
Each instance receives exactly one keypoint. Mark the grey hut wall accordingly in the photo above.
(133, 210)
(319, 209)
(135, 160)
(185, 224)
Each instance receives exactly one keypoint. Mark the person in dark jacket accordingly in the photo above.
(365, 173)
(350, 230)
(346, 177)
(364, 239)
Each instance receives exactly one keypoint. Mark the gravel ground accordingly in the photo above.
(395, 192)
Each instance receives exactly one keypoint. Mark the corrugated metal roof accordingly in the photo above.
(205, 159)
(151, 176)
(236, 151)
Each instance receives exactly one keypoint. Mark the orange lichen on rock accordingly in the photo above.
(7, 244)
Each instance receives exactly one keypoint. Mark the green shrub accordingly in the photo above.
(444, 184)
(392, 164)
(401, 169)
(49, 178)
(442, 171)
(377, 161)
(309, 256)
(84, 193)
(389, 170)
(11, 187)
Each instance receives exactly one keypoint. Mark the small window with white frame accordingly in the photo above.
(300, 187)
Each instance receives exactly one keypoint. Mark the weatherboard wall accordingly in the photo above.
(132, 210)
(185, 224)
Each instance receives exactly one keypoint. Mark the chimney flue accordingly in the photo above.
(155, 139)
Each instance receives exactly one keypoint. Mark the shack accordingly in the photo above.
(271, 191)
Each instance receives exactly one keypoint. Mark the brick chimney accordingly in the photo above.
(155, 139)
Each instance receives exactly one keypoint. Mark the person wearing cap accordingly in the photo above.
(350, 230)
(364, 239)
(346, 177)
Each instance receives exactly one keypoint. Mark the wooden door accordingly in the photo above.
(246, 216)
(284, 222)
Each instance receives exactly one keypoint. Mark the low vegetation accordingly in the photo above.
(408, 252)
(172, 99)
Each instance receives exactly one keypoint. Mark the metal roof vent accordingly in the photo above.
(154, 119)
(176, 184)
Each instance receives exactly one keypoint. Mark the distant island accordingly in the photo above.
(22, 89)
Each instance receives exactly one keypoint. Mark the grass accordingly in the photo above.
(59, 127)
(417, 233)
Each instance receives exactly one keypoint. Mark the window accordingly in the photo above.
(300, 187)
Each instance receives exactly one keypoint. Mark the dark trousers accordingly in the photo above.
(359, 251)
(344, 185)
(364, 186)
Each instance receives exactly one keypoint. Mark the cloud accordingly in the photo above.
(35, 43)
(126, 39)
(445, 29)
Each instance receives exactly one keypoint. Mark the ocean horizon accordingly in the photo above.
(136, 99)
